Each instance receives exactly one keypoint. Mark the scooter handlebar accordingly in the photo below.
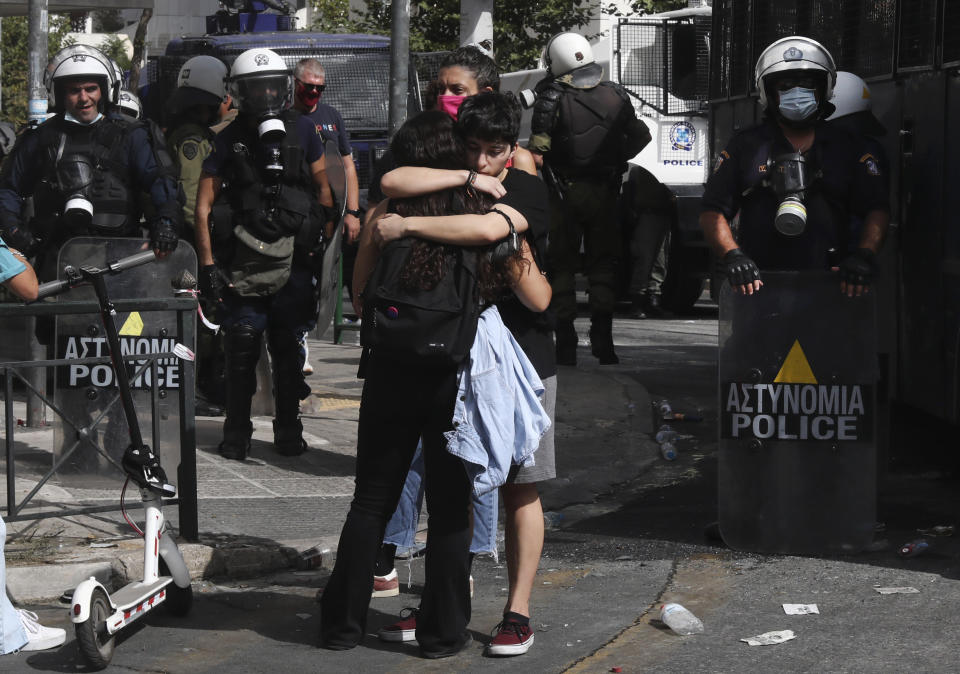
(51, 288)
(134, 260)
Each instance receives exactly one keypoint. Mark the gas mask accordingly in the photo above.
(74, 177)
(265, 98)
(787, 175)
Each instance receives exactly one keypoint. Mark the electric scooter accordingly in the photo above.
(98, 615)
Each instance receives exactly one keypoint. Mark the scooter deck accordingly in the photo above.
(135, 600)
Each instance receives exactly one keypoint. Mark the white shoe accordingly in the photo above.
(40, 638)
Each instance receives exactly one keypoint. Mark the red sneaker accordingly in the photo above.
(386, 586)
(404, 629)
(511, 638)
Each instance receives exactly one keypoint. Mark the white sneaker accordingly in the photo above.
(40, 638)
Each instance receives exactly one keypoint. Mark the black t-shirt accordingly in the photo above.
(533, 331)
(845, 183)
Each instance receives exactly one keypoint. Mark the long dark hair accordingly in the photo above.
(429, 139)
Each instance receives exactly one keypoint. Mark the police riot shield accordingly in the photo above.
(329, 281)
(797, 401)
(95, 433)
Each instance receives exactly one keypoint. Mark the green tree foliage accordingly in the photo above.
(649, 7)
(520, 27)
(116, 48)
(13, 79)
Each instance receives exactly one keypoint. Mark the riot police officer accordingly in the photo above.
(795, 181)
(583, 131)
(259, 230)
(194, 108)
(85, 168)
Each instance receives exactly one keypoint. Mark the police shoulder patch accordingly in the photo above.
(190, 149)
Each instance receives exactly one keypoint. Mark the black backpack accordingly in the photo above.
(438, 325)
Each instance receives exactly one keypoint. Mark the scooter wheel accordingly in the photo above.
(96, 645)
(179, 599)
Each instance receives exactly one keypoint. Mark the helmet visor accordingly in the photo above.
(264, 94)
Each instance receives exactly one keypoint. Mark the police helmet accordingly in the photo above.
(81, 61)
(260, 83)
(792, 56)
(129, 104)
(851, 99)
(565, 52)
(201, 82)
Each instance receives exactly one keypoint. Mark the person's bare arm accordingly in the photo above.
(717, 232)
(412, 181)
(464, 230)
(24, 285)
(318, 170)
(208, 188)
(351, 223)
(368, 252)
(523, 160)
(530, 284)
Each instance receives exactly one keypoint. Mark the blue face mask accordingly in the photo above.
(70, 118)
(798, 104)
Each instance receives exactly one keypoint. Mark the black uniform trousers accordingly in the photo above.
(401, 403)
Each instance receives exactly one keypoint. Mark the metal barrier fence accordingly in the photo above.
(873, 39)
(186, 501)
(665, 62)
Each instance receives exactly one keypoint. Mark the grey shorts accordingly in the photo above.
(546, 463)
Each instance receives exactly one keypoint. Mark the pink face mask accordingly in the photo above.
(450, 104)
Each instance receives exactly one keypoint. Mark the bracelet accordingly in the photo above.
(354, 212)
(471, 178)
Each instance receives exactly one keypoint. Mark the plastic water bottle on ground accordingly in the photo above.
(668, 451)
(680, 620)
(665, 434)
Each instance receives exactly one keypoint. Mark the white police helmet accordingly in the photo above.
(794, 54)
(260, 83)
(851, 95)
(81, 61)
(565, 52)
(129, 104)
(202, 80)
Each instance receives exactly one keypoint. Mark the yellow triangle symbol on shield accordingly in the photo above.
(133, 326)
(795, 368)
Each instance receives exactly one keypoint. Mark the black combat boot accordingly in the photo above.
(654, 308)
(566, 343)
(601, 338)
(241, 353)
(289, 389)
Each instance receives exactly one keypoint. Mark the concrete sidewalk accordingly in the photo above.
(256, 515)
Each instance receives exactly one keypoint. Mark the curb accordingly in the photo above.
(231, 557)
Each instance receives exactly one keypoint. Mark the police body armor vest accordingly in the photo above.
(270, 207)
(114, 199)
(587, 138)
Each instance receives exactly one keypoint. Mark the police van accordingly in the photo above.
(662, 60)
(909, 55)
(357, 70)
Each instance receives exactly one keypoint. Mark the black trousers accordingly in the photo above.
(401, 403)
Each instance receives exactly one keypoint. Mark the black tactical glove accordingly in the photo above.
(739, 268)
(211, 282)
(163, 235)
(19, 238)
(859, 268)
